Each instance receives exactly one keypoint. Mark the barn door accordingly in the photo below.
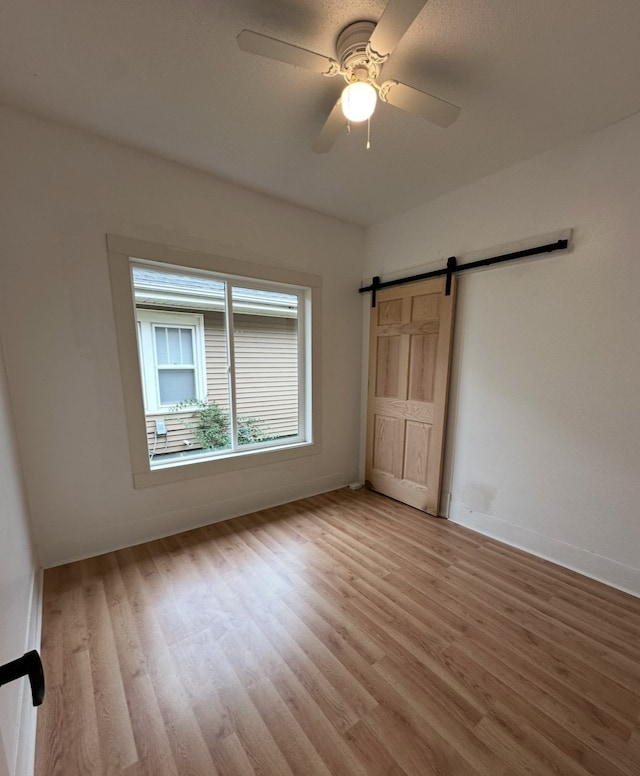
(409, 355)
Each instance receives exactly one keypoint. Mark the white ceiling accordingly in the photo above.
(168, 77)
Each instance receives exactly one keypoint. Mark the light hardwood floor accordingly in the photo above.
(340, 635)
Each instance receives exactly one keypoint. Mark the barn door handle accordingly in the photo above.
(28, 665)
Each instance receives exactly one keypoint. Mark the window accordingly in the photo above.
(171, 351)
(224, 361)
(227, 378)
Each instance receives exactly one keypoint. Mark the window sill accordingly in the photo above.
(177, 471)
(167, 412)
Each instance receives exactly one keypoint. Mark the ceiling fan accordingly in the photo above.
(361, 48)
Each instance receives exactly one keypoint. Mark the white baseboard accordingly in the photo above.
(599, 567)
(26, 741)
(158, 526)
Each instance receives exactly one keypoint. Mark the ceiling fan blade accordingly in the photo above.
(264, 46)
(419, 103)
(396, 19)
(332, 127)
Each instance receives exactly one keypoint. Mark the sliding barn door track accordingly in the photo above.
(453, 267)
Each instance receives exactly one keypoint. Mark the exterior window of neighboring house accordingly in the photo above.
(220, 360)
(171, 348)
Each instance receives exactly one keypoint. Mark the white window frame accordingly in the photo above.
(147, 321)
(123, 254)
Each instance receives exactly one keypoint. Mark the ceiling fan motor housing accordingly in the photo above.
(354, 56)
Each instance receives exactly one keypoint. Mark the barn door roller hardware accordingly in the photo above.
(28, 665)
(453, 267)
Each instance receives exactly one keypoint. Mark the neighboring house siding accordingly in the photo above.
(216, 359)
(176, 437)
(267, 371)
(266, 378)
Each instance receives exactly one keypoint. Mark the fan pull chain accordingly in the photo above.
(348, 127)
(369, 133)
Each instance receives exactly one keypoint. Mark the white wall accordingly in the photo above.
(544, 435)
(64, 191)
(17, 593)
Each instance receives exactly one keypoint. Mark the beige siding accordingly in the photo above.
(267, 371)
(177, 435)
(216, 359)
(266, 378)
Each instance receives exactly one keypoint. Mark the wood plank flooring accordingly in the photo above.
(341, 635)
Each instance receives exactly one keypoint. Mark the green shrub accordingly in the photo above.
(212, 427)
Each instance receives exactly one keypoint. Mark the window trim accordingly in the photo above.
(122, 253)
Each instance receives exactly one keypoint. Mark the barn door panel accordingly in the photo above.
(409, 356)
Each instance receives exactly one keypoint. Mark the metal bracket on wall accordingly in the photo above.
(375, 285)
(453, 266)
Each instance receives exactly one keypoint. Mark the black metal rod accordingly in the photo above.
(452, 267)
(28, 665)
(556, 246)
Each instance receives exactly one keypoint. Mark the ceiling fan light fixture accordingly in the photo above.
(359, 101)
